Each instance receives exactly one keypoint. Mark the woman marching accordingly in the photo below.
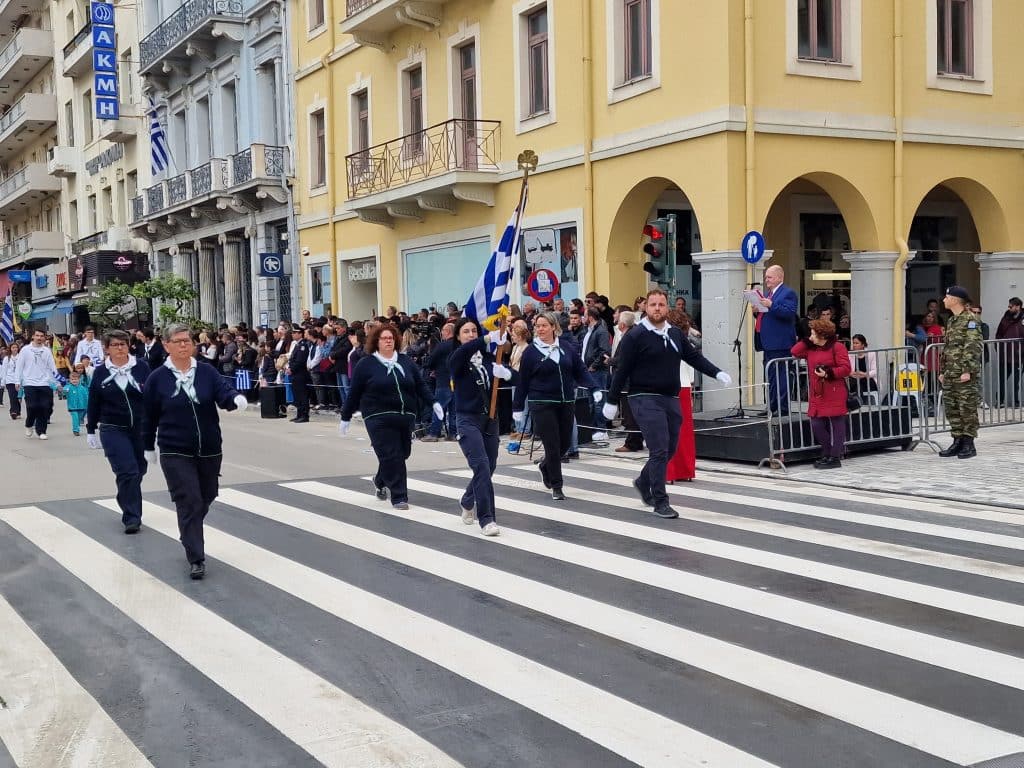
(473, 369)
(181, 399)
(388, 389)
(548, 377)
(116, 407)
(828, 365)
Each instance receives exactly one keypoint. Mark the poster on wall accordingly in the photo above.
(552, 248)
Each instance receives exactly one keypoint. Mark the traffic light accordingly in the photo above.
(656, 250)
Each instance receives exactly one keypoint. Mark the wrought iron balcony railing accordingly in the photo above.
(90, 243)
(252, 165)
(181, 24)
(352, 7)
(80, 35)
(454, 145)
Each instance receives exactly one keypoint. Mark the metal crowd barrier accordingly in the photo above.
(891, 398)
(999, 388)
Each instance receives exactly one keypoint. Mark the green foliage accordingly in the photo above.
(111, 305)
(173, 294)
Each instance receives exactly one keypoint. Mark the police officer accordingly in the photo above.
(298, 367)
(961, 367)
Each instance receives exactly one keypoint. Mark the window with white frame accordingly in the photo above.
(637, 40)
(633, 42)
(533, 41)
(318, 148)
(538, 83)
(820, 30)
(360, 165)
(317, 14)
(954, 37)
(412, 86)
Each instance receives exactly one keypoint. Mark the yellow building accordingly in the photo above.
(876, 144)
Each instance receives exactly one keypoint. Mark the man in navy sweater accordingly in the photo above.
(648, 363)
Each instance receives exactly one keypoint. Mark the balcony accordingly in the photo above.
(78, 53)
(239, 183)
(190, 30)
(63, 161)
(425, 171)
(32, 248)
(27, 119)
(371, 22)
(26, 186)
(11, 11)
(23, 58)
(125, 128)
(112, 239)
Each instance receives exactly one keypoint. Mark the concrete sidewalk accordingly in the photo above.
(995, 476)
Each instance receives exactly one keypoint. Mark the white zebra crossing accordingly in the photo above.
(46, 712)
(636, 733)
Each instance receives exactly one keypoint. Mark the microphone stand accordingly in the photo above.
(737, 346)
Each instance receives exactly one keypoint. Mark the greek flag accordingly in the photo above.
(491, 291)
(7, 321)
(160, 154)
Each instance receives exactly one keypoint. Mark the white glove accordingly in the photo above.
(500, 372)
(610, 411)
(438, 410)
(241, 402)
(497, 337)
(344, 427)
(598, 395)
(93, 441)
(517, 417)
(724, 377)
(150, 457)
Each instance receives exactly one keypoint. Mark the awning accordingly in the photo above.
(65, 307)
(42, 311)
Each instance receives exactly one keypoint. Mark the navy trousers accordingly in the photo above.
(552, 423)
(659, 418)
(478, 439)
(38, 408)
(391, 438)
(193, 482)
(123, 449)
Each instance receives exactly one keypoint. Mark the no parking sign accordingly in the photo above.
(542, 284)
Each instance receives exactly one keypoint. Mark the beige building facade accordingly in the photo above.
(878, 146)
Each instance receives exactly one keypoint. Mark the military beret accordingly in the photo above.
(959, 292)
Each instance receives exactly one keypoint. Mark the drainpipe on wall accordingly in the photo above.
(897, 180)
(588, 142)
(750, 178)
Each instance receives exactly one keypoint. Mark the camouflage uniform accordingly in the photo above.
(961, 353)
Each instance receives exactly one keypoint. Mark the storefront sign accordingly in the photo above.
(123, 263)
(20, 275)
(104, 61)
(24, 310)
(107, 157)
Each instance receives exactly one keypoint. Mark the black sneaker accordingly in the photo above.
(557, 495)
(380, 492)
(544, 477)
(666, 512)
(645, 497)
(132, 528)
(197, 571)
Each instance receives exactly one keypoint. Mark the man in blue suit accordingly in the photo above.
(775, 335)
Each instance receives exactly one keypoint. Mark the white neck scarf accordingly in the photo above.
(122, 376)
(184, 381)
(663, 332)
(390, 362)
(552, 351)
(477, 361)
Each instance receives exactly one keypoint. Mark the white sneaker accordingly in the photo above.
(491, 529)
(29, 432)
(43, 437)
(469, 516)
(599, 436)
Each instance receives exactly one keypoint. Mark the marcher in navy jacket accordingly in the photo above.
(109, 405)
(375, 391)
(181, 426)
(544, 381)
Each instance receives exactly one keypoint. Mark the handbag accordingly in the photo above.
(853, 402)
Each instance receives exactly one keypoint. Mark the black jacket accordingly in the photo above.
(180, 426)
(374, 391)
(112, 407)
(651, 366)
(544, 381)
(598, 346)
(438, 362)
(472, 391)
(156, 355)
(298, 360)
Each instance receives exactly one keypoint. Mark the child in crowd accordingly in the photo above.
(84, 373)
(77, 394)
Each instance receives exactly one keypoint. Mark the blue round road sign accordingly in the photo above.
(752, 247)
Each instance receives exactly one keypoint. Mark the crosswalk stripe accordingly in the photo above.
(46, 712)
(959, 657)
(872, 498)
(893, 523)
(627, 729)
(330, 725)
(793, 532)
(882, 713)
(937, 597)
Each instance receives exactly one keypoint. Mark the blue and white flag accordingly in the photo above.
(491, 291)
(7, 320)
(160, 155)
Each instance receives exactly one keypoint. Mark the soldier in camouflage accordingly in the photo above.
(961, 367)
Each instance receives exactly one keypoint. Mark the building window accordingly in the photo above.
(94, 225)
(69, 123)
(955, 37)
(414, 106)
(361, 165)
(537, 45)
(819, 30)
(316, 14)
(637, 40)
(87, 118)
(318, 148)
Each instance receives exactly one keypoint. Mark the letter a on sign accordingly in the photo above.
(103, 37)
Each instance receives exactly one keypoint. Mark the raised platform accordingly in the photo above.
(719, 435)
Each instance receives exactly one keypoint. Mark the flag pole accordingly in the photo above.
(527, 161)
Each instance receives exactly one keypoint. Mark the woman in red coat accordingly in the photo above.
(828, 365)
(683, 464)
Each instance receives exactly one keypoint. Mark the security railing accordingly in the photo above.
(454, 145)
(182, 23)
